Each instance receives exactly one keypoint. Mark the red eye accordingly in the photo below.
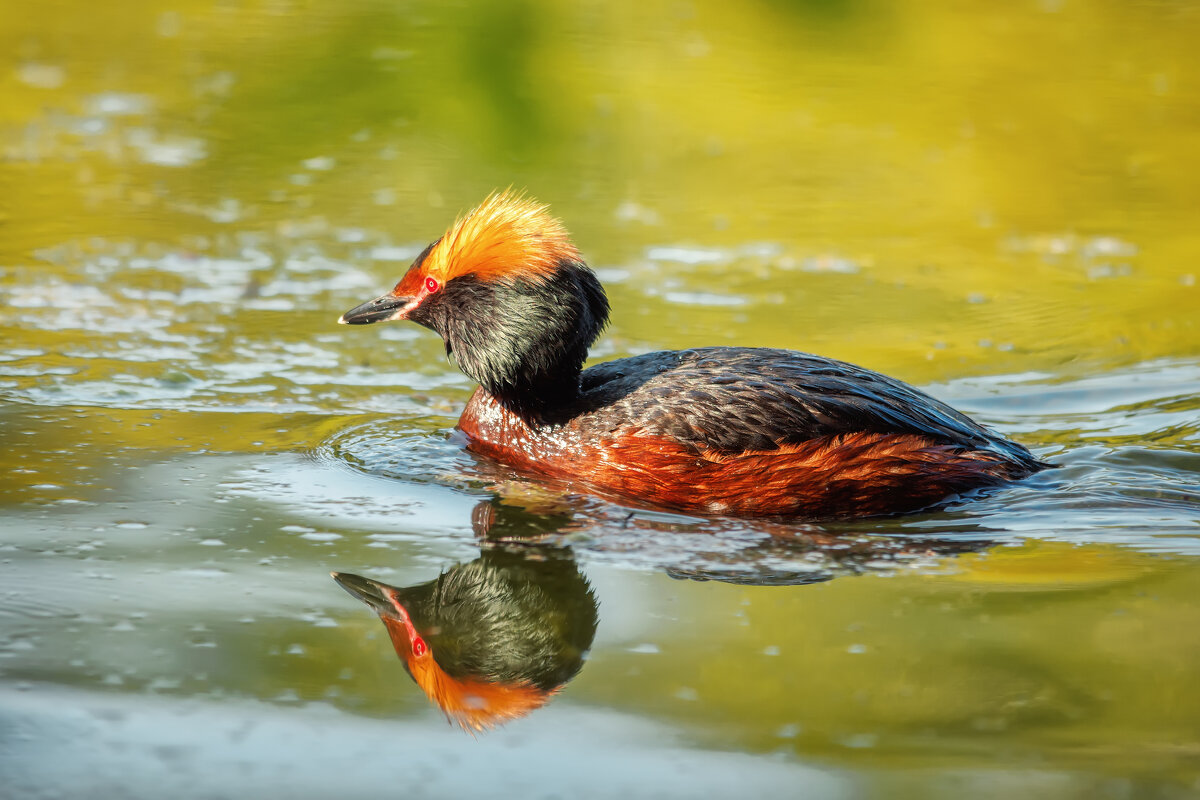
(431, 285)
(418, 645)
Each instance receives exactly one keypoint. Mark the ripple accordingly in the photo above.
(230, 331)
(1134, 490)
(492, 501)
(1139, 399)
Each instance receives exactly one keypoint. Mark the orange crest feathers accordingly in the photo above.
(508, 235)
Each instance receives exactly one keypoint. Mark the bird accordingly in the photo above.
(489, 640)
(717, 431)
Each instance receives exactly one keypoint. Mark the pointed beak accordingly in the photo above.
(380, 309)
(366, 590)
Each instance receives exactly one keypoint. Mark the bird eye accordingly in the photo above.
(431, 284)
(418, 645)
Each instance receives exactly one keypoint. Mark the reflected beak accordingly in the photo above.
(366, 590)
(381, 309)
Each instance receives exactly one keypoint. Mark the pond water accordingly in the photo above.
(995, 203)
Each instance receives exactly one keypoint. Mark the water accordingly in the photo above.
(994, 204)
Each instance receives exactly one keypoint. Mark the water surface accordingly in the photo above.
(996, 204)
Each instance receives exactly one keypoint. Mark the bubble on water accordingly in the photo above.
(350, 235)
(632, 211)
(859, 741)
(41, 76)
(705, 299)
(287, 697)
(1108, 247)
(788, 731)
(612, 274)
(116, 104)
(165, 150)
(320, 163)
(321, 537)
(687, 255)
(830, 263)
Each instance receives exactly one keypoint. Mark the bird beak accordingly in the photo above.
(381, 309)
(368, 591)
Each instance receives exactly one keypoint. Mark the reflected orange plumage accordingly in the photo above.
(474, 704)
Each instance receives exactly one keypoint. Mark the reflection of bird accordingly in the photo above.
(727, 430)
(490, 640)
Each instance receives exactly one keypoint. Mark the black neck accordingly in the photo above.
(523, 339)
(543, 400)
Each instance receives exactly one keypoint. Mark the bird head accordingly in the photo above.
(511, 297)
(490, 640)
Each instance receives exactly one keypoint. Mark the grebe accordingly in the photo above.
(490, 640)
(739, 431)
